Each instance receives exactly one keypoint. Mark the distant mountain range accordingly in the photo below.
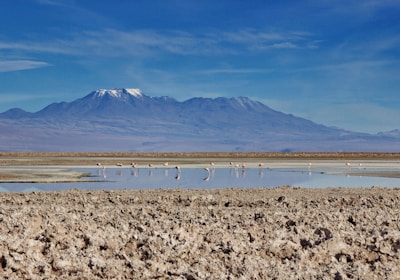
(128, 120)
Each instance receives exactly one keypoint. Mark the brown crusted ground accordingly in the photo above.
(279, 233)
(7, 176)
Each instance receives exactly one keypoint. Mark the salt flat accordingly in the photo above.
(280, 233)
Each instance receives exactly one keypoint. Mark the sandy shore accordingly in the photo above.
(279, 233)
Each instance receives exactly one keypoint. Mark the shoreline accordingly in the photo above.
(33, 162)
(112, 158)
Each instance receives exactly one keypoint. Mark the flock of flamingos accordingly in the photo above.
(209, 169)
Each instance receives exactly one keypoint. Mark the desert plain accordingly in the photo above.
(230, 233)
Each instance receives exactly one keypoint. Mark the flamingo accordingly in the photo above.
(104, 172)
(178, 173)
(236, 172)
(208, 174)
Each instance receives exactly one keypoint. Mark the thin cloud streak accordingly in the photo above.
(346, 66)
(54, 47)
(232, 71)
(18, 65)
(113, 43)
(255, 40)
(52, 3)
(358, 8)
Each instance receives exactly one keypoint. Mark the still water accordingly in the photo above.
(164, 178)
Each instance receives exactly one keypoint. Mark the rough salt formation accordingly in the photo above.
(279, 233)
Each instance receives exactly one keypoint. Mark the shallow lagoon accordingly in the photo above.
(156, 178)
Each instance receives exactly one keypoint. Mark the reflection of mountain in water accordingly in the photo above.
(154, 178)
(160, 178)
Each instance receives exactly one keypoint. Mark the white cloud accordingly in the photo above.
(185, 43)
(255, 40)
(48, 2)
(58, 3)
(17, 65)
(114, 43)
(366, 8)
(53, 47)
(348, 67)
(232, 71)
(284, 45)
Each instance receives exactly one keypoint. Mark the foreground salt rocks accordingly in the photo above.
(279, 233)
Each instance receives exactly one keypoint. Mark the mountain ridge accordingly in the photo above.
(128, 120)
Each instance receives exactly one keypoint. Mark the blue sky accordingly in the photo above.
(334, 62)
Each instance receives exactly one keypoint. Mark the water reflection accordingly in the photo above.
(209, 177)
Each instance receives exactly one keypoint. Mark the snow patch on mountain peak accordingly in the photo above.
(119, 92)
(134, 91)
(248, 103)
(243, 101)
